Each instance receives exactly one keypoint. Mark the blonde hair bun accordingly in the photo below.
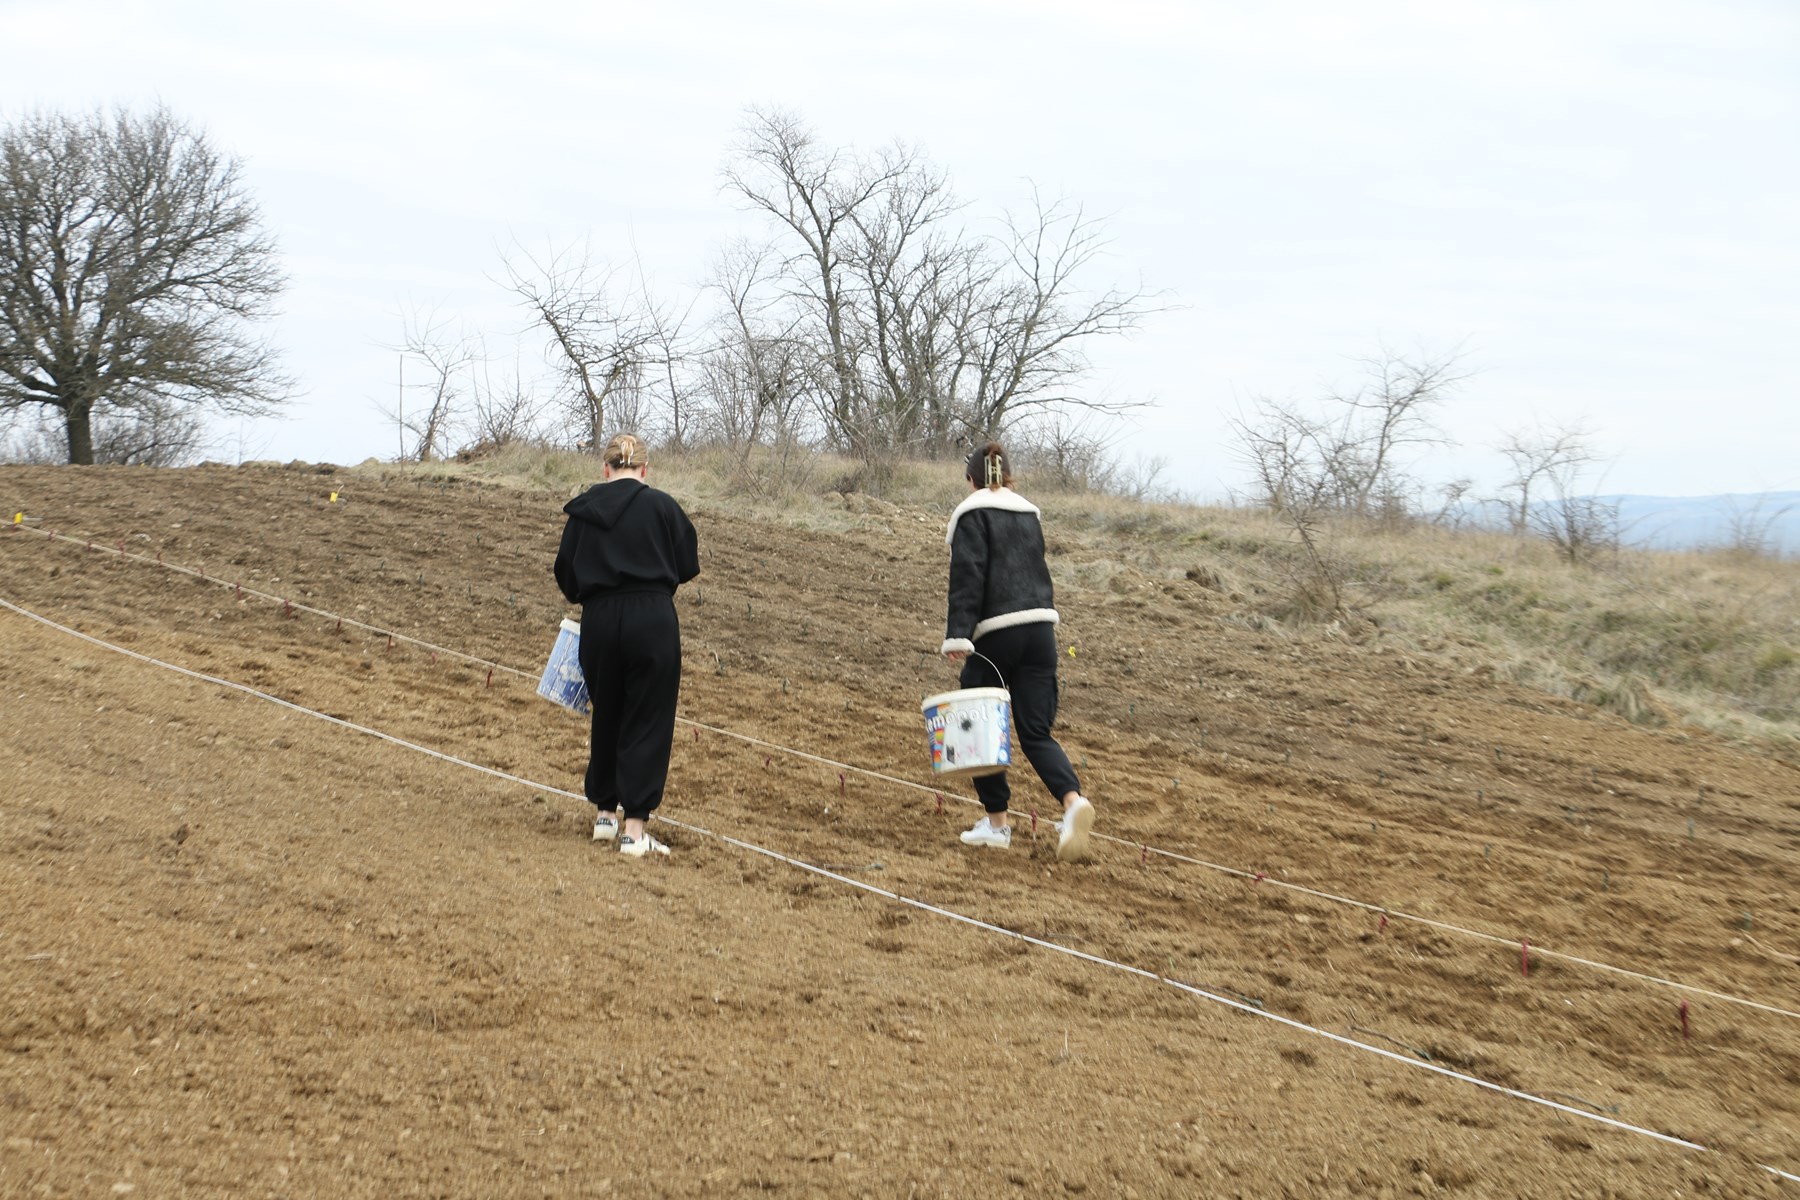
(626, 452)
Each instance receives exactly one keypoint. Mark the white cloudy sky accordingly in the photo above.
(1598, 199)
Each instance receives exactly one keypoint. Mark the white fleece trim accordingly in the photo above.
(963, 644)
(1025, 616)
(1001, 498)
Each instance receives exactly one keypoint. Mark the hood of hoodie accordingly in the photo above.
(604, 503)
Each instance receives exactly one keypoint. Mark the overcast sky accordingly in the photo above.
(1598, 201)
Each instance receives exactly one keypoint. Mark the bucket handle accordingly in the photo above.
(990, 662)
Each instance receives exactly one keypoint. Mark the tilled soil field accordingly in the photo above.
(247, 951)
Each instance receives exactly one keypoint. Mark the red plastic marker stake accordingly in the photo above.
(767, 759)
(1034, 820)
(940, 800)
(390, 641)
(1383, 926)
(1143, 855)
(490, 678)
(340, 629)
(240, 590)
(1686, 1032)
(696, 733)
(287, 608)
(840, 783)
(1525, 956)
(1259, 877)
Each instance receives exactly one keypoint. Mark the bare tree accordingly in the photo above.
(914, 282)
(664, 380)
(1293, 458)
(1580, 527)
(1452, 507)
(134, 265)
(1074, 453)
(500, 411)
(1343, 461)
(445, 356)
(601, 339)
(1297, 462)
(1347, 458)
(1539, 458)
(927, 336)
(815, 194)
(755, 373)
(1391, 410)
(1027, 334)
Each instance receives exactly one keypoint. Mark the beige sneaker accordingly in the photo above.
(1072, 838)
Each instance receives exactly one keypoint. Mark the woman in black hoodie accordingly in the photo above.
(625, 550)
(1002, 628)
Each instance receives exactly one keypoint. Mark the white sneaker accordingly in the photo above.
(986, 833)
(606, 827)
(1072, 831)
(637, 847)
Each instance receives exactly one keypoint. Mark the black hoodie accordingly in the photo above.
(625, 536)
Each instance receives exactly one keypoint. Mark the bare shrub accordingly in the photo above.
(152, 434)
(1581, 528)
(1542, 458)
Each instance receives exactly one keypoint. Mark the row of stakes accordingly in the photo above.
(1143, 849)
(1745, 921)
(1683, 1009)
(1570, 812)
(1287, 754)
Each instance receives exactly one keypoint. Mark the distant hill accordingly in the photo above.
(1694, 522)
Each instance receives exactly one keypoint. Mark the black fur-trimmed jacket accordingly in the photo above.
(998, 576)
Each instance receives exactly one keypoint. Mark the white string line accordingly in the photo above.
(288, 704)
(121, 552)
(935, 910)
(1144, 848)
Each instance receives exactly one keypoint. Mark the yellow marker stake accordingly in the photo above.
(18, 518)
(1071, 652)
(334, 497)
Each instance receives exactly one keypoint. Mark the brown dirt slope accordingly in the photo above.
(250, 952)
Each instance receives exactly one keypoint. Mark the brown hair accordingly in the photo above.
(988, 466)
(626, 452)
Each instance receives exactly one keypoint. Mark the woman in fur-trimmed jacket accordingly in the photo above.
(1002, 628)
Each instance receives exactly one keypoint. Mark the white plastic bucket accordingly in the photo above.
(969, 733)
(563, 683)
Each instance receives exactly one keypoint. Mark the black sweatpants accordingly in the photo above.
(631, 656)
(1026, 658)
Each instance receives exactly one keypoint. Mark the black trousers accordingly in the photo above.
(631, 656)
(1026, 658)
